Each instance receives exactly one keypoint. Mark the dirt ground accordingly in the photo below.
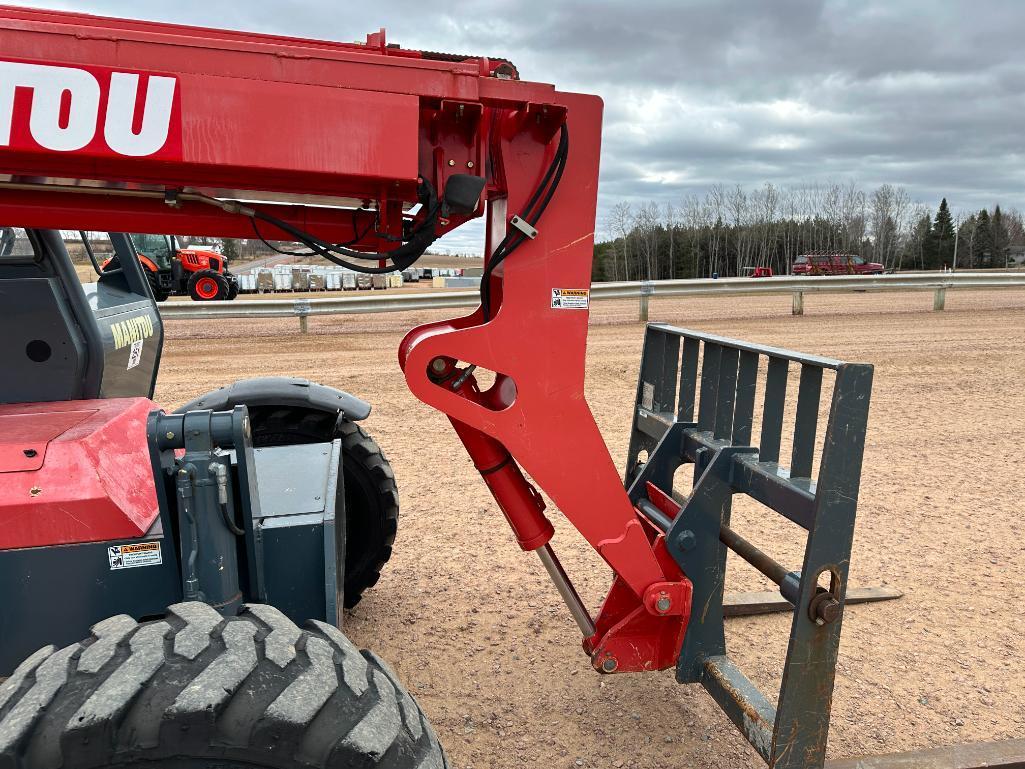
(480, 636)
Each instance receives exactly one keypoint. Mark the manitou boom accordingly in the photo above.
(367, 153)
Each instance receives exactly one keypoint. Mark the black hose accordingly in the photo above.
(420, 238)
(232, 526)
(539, 200)
(358, 236)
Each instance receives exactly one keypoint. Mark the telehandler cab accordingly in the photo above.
(365, 154)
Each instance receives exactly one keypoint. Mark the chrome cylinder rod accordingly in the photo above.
(566, 590)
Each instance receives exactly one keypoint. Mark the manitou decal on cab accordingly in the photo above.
(92, 110)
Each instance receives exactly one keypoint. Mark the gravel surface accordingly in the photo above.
(478, 633)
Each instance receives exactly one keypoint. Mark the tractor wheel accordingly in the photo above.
(232, 288)
(159, 293)
(371, 496)
(207, 286)
(196, 690)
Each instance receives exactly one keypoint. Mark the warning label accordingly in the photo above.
(135, 355)
(130, 556)
(570, 298)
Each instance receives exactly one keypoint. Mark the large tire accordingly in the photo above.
(159, 293)
(233, 287)
(194, 690)
(371, 496)
(207, 286)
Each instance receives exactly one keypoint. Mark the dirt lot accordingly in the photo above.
(475, 629)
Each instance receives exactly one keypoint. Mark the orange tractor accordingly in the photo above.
(175, 271)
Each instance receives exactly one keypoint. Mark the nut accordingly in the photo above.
(824, 609)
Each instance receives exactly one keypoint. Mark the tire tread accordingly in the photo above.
(260, 692)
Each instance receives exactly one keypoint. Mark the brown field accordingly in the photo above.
(480, 636)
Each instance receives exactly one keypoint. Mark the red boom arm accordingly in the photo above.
(134, 126)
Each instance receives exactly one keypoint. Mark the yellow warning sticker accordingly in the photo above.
(131, 556)
(570, 298)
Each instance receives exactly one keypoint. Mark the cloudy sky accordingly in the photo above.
(927, 95)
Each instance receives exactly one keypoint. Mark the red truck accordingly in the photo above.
(834, 264)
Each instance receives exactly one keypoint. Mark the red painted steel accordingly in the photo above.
(89, 478)
(286, 121)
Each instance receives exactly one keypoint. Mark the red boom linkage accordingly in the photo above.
(166, 123)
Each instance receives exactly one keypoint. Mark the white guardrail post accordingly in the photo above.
(797, 287)
(302, 309)
(647, 289)
(798, 305)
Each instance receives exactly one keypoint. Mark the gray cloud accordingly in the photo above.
(928, 95)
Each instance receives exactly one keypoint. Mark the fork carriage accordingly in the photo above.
(684, 373)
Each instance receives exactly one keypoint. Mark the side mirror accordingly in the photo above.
(462, 193)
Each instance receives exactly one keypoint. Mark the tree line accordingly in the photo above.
(731, 230)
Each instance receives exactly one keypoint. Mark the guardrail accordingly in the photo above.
(938, 283)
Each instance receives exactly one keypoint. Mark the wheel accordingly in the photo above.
(371, 496)
(159, 293)
(207, 286)
(232, 287)
(196, 690)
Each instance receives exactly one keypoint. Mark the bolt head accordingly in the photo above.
(686, 540)
(438, 365)
(829, 611)
(170, 435)
(451, 162)
(663, 604)
(609, 665)
(469, 164)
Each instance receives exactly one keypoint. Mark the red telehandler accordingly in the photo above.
(366, 154)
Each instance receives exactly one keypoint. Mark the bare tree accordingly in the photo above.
(670, 221)
(622, 223)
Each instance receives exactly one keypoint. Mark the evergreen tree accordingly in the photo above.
(942, 237)
(1000, 238)
(230, 249)
(982, 250)
(599, 264)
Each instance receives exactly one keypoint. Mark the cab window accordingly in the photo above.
(156, 247)
(15, 245)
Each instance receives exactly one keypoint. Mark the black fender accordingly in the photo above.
(281, 391)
